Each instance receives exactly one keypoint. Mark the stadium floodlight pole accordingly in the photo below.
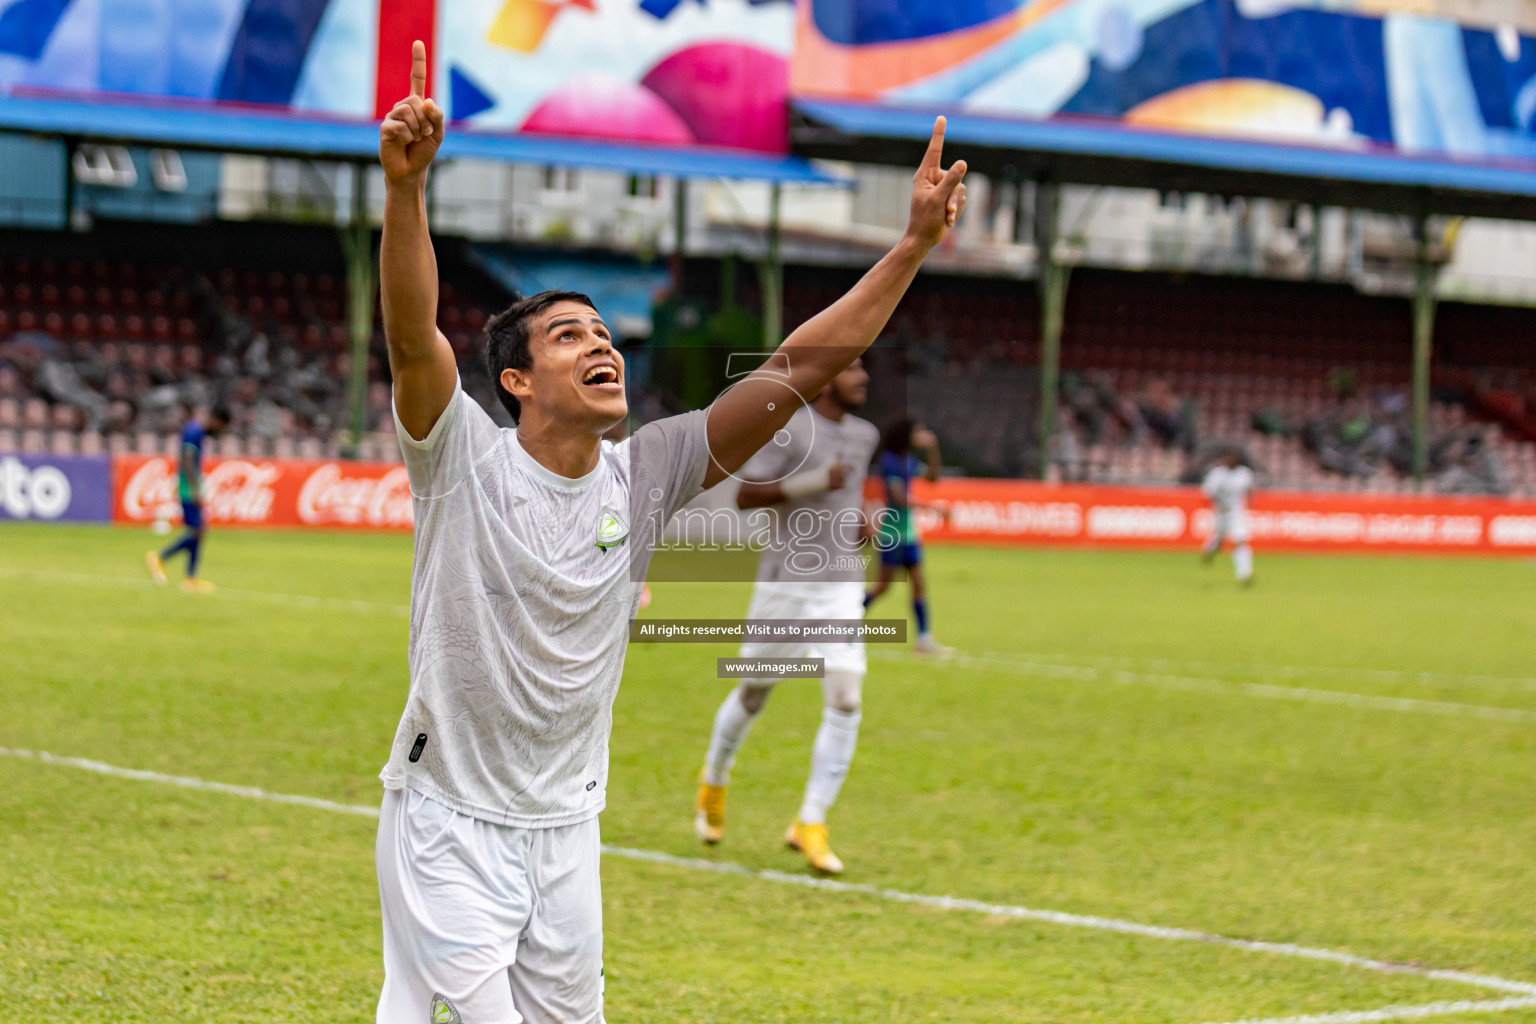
(357, 244)
(1052, 283)
(1423, 339)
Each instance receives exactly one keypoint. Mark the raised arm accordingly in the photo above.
(420, 358)
(933, 463)
(744, 418)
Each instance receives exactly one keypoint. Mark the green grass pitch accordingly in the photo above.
(1342, 757)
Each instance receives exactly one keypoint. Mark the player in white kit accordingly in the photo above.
(1228, 485)
(810, 481)
(531, 548)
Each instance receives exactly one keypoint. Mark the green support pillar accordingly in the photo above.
(70, 145)
(679, 234)
(362, 281)
(771, 274)
(1052, 284)
(1423, 340)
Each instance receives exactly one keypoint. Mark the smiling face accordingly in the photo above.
(577, 377)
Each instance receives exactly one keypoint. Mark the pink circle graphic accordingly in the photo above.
(728, 94)
(601, 106)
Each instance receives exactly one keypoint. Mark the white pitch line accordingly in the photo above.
(1200, 684)
(1399, 1012)
(1057, 917)
(186, 782)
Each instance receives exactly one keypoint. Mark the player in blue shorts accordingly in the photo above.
(189, 487)
(898, 537)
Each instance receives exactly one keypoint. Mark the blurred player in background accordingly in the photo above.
(189, 488)
(531, 546)
(1227, 485)
(899, 539)
(815, 477)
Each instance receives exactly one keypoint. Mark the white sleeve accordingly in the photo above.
(1208, 485)
(668, 460)
(440, 461)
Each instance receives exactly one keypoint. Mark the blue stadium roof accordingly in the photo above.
(191, 125)
(1103, 152)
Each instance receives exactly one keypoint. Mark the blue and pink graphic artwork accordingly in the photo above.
(675, 72)
(1423, 76)
(1420, 75)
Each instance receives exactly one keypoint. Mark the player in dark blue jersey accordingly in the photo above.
(899, 538)
(189, 487)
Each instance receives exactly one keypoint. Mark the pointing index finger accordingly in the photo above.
(935, 146)
(419, 69)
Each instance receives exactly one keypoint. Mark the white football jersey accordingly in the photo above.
(814, 538)
(522, 593)
(1228, 488)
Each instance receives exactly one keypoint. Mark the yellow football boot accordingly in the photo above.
(156, 568)
(193, 585)
(811, 840)
(709, 818)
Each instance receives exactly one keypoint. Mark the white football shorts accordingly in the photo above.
(843, 599)
(1232, 526)
(486, 923)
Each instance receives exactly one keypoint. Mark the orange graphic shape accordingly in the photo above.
(1244, 106)
(521, 25)
(822, 67)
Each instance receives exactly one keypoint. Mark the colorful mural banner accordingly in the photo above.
(1453, 77)
(309, 55)
(1424, 76)
(678, 72)
(1015, 512)
(675, 72)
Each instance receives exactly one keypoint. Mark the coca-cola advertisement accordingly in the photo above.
(267, 492)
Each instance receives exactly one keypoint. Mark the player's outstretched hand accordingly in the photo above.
(938, 196)
(412, 131)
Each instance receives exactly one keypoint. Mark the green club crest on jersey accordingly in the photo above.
(443, 1011)
(612, 530)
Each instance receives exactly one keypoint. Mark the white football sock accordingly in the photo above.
(1242, 561)
(732, 722)
(830, 758)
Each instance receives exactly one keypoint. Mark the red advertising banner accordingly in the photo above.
(369, 496)
(267, 492)
(1025, 513)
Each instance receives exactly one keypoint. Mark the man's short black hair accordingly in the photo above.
(507, 336)
(220, 414)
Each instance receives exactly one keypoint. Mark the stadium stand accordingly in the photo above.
(107, 355)
(1158, 371)
(1161, 370)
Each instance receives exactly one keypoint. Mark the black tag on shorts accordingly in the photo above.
(421, 744)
